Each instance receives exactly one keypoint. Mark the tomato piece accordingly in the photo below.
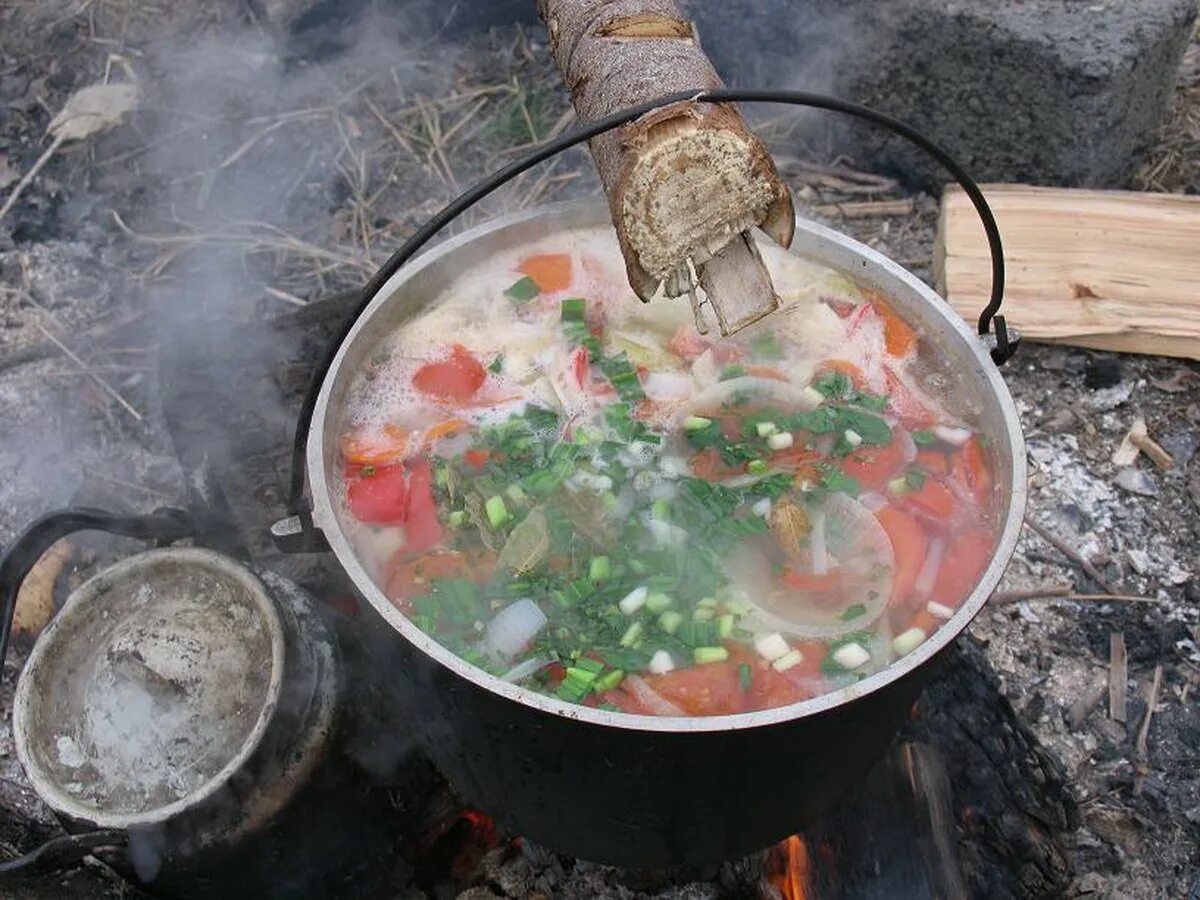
(856, 375)
(769, 688)
(766, 372)
(476, 458)
(898, 336)
(457, 378)
(971, 468)
(550, 271)
(795, 457)
(407, 578)
(383, 447)
(446, 429)
(909, 546)
(967, 555)
(935, 462)
(423, 530)
(707, 464)
(687, 344)
(380, 498)
(580, 366)
(708, 690)
(829, 583)
(872, 467)
(912, 413)
(933, 498)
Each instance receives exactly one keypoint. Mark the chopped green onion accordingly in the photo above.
(589, 665)
(731, 372)
(766, 429)
(523, 290)
(725, 625)
(632, 635)
(898, 486)
(789, 660)
(608, 681)
(702, 614)
(657, 602)
(670, 621)
(696, 423)
(915, 479)
(634, 600)
(600, 568)
(660, 509)
(516, 494)
(853, 612)
(574, 309)
(497, 512)
(756, 467)
(704, 655)
(924, 438)
(745, 677)
(497, 365)
(457, 518)
(781, 441)
(908, 641)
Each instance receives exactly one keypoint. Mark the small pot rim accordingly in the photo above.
(579, 214)
(26, 704)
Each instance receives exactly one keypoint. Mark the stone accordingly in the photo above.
(1136, 481)
(1040, 91)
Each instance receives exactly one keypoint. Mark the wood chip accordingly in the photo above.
(1118, 675)
(1151, 702)
(867, 209)
(35, 602)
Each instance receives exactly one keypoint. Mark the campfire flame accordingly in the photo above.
(790, 868)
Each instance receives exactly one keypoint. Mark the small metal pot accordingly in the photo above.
(638, 790)
(179, 699)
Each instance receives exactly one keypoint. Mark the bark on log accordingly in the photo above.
(682, 181)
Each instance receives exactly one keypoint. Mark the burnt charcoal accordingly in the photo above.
(1102, 372)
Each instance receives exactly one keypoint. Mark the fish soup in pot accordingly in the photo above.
(584, 496)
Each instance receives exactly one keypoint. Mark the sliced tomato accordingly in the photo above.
(407, 578)
(830, 582)
(381, 497)
(422, 530)
(971, 469)
(550, 271)
(933, 499)
(441, 430)
(967, 555)
(872, 467)
(796, 457)
(708, 690)
(909, 545)
(375, 447)
(476, 458)
(456, 378)
(768, 688)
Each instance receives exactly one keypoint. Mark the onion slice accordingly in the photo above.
(526, 669)
(929, 568)
(649, 698)
(511, 630)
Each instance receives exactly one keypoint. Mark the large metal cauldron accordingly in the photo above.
(637, 790)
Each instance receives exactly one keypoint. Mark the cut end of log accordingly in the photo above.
(694, 185)
(646, 26)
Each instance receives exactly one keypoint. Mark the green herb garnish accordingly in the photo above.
(523, 290)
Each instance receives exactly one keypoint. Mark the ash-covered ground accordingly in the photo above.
(258, 174)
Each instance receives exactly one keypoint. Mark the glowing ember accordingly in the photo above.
(790, 868)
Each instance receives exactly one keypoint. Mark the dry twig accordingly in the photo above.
(1070, 553)
(1118, 675)
(100, 382)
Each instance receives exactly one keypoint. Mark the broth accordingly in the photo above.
(580, 493)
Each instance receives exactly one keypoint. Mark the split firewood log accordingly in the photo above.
(685, 183)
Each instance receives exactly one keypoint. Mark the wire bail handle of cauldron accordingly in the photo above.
(163, 526)
(299, 535)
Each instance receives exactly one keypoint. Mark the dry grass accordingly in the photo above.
(1174, 163)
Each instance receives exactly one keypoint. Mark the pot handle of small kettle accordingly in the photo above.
(298, 534)
(163, 526)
